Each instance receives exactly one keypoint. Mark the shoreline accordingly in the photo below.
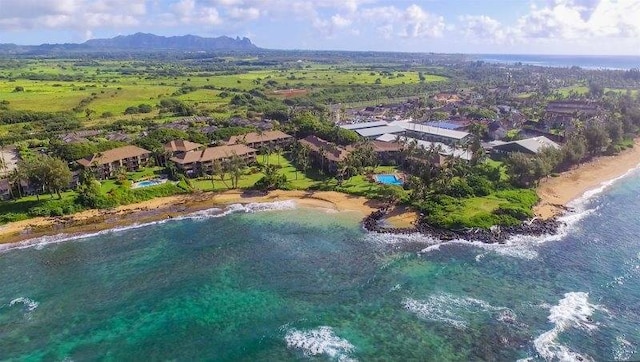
(94, 220)
(555, 193)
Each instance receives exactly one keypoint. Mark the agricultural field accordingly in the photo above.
(103, 90)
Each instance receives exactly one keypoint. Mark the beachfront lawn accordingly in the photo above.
(297, 179)
(29, 206)
(499, 208)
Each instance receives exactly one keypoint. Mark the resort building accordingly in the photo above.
(257, 140)
(373, 130)
(201, 161)
(388, 152)
(106, 164)
(360, 125)
(559, 114)
(531, 146)
(433, 134)
(181, 146)
(325, 154)
(443, 149)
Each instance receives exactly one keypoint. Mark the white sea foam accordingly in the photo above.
(449, 309)
(624, 350)
(320, 341)
(29, 305)
(43, 241)
(391, 239)
(572, 311)
(524, 246)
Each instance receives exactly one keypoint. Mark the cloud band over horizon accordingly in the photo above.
(464, 26)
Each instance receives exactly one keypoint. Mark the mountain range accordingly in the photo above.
(138, 42)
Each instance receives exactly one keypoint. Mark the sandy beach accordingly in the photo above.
(166, 207)
(556, 192)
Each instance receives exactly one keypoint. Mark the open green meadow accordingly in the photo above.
(104, 90)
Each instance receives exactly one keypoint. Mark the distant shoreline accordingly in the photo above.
(589, 62)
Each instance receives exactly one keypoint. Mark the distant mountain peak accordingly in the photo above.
(146, 41)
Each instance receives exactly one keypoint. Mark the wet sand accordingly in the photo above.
(556, 192)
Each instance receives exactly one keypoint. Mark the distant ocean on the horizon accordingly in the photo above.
(623, 62)
(274, 282)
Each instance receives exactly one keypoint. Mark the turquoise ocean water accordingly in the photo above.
(622, 62)
(277, 283)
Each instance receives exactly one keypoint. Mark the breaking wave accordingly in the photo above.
(40, 242)
(320, 341)
(29, 304)
(520, 246)
(572, 311)
(449, 309)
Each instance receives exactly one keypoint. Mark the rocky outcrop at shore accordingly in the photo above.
(498, 234)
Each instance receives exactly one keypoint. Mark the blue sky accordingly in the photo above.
(442, 26)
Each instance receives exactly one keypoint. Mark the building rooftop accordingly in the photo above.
(355, 126)
(458, 135)
(535, 144)
(116, 154)
(444, 150)
(213, 153)
(378, 131)
(181, 146)
(445, 125)
(332, 151)
(257, 137)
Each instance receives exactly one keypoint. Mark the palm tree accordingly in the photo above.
(235, 165)
(15, 179)
(322, 154)
(219, 169)
(302, 158)
(278, 150)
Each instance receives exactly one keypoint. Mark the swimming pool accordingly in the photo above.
(147, 183)
(388, 179)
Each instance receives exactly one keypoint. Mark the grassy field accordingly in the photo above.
(112, 86)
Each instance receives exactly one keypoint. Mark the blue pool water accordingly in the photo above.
(148, 183)
(388, 179)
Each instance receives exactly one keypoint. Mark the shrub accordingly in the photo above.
(516, 212)
(480, 185)
(11, 216)
(55, 208)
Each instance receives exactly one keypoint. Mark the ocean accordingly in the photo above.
(620, 62)
(274, 282)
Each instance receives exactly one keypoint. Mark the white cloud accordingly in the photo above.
(244, 14)
(412, 22)
(421, 24)
(561, 20)
(483, 27)
(80, 15)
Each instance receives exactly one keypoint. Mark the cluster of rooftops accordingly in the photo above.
(385, 136)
